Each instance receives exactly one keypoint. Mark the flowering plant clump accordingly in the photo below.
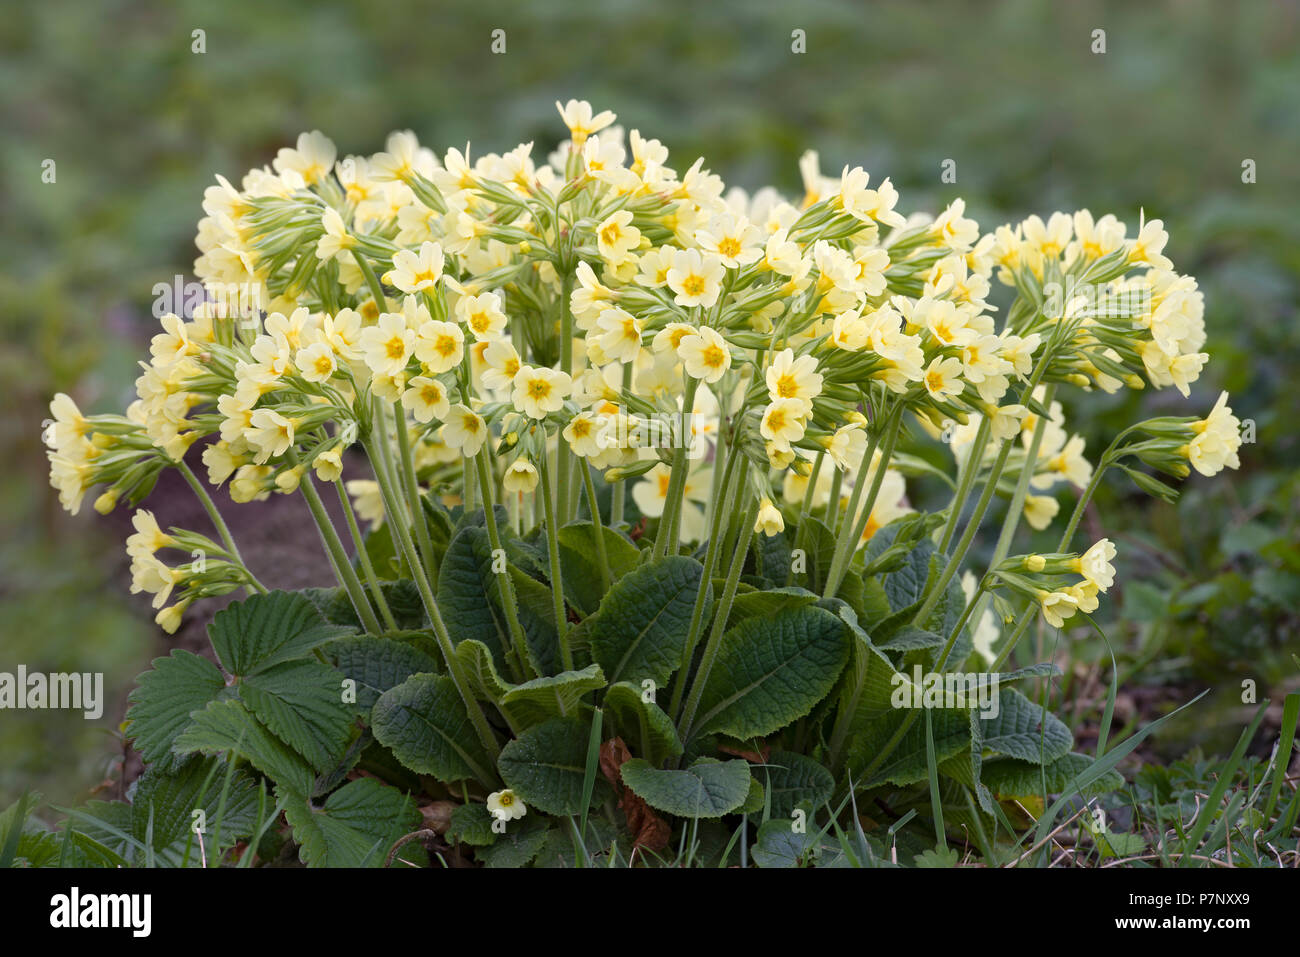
(638, 534)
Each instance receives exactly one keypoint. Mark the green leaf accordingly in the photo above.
(424, 723)
(707, 788)
(780, 845)
(301, 702)
(770, 671)
(264, 630)
(546, 765)
(549, 697)
(227, 725)
(906, 764)
(471, 824)
(522, 841)
(378, 664)
(640, 630)
(356, 826)
(463, 592)
(578, 562)
(1022, 729)
(768, 603)
(1011, 778)
(165, 697)
(643, 725)
(794, 779)
(481, 670)
(164, 802)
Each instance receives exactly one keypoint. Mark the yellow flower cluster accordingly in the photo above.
(580, 308)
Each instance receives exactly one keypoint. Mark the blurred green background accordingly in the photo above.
(138, 125)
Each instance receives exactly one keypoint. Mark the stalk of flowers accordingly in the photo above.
(541, 324)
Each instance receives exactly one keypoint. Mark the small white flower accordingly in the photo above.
(506, 805)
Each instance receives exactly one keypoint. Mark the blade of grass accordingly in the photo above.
(1226, 774)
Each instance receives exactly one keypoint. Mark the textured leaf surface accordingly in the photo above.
(518, 846)
(378, 664)
(641, 627)
(1022, 729)
(171, 796)
(264, 630)
(579, 562)
(165, 697)
(301, 702)
(547, 764)
(770, 671)
(705, 789)
(642, 724)
(768, 603)
(555, 696)
(1009, 778)
(355, 827)
(793, 779)
(463, 586)
(228, 725)
(424, 723)
(906, 764)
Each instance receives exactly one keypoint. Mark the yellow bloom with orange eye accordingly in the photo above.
(653, 266)
(426, 398)
(616, 237)
(269, 433)
(336, 239)
(705, 354)
(482, 314)
(148, 537)
(506, 805)
(414, 272)
(734, 240)
(584, 435)
(311, 160)
(540, 391)
(387, 345)
(670, 337)
(696, 278)
(943, 377)
(439, 345)
(618, 333)
(464, 429)
(783, 423)
(791, 378)
(316, 362)
(501, 363)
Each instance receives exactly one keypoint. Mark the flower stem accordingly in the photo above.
(392, 505)
(851, 533)
(347, 576)
(974, 458)
(523, 664)
(412, 483)
(557, 583)
(602, 559)
(222, 529)
(564, 457)
(721, 614)
(363, 556)
(710, 558)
